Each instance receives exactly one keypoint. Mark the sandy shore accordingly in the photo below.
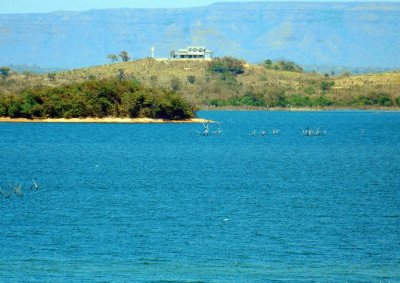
(102, 120)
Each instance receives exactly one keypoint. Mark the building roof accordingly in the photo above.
(192, 52)
(193, 49)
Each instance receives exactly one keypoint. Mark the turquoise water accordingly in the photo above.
(160, 203)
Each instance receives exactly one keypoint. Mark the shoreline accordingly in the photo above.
(297, 109)
(107, 120)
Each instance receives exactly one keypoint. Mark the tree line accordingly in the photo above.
(282, 65)
(97, 98)
(281, 99)
(123, 55)
(222, 82)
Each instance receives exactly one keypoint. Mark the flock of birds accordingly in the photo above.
(306, 132)
(17, 190)
(311, 132)
(206, 130)
(264, 133)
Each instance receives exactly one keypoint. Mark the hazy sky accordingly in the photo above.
(40, 6)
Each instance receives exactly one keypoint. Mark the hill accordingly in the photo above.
(310, 33)
(256, 86)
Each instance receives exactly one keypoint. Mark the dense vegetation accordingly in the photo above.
(222, 82)
(280, 99)
(226, 65)
(96, 98)
(316, 91)
(282, 66)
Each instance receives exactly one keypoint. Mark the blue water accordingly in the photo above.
(159, 203)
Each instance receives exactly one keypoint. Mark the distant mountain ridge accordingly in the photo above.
(309, 33)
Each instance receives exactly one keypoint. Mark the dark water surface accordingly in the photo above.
(160, 203)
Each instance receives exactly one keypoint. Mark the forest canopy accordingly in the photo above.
(97, 98)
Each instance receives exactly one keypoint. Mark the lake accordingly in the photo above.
(161, 203)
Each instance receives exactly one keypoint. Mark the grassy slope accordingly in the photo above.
(206, 86)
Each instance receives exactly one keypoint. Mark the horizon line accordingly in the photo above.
(201, 6)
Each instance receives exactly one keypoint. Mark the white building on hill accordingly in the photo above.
(192, 52)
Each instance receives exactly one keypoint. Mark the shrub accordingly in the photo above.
(252, 99)
(384, 100)
(310, 90)
(51, 76)
(299, 100)
(176, 84)
(191, 79)
(283, 66)
(268, 63)
(3, 106)
(3, 110)
(4, 71)
(321, 101)
(373, 98)
(121, 74)
(228, 78)
(325, 85)
(154, 79)
(14, 109)
(226, 65)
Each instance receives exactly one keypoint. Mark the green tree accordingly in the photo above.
(113, 58)
(3, 110)
(4, 72)
(283, 66)
(325, 85)
(383, 99)
(124, 56)
(252, 99)
(321, 101)
(176, 84)
(121, 74)
(191, 79)
(299, 100)
(51, 76)
(14, 108)
(226, 65)
(268, 64)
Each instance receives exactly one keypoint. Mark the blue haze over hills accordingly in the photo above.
(309, 33)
